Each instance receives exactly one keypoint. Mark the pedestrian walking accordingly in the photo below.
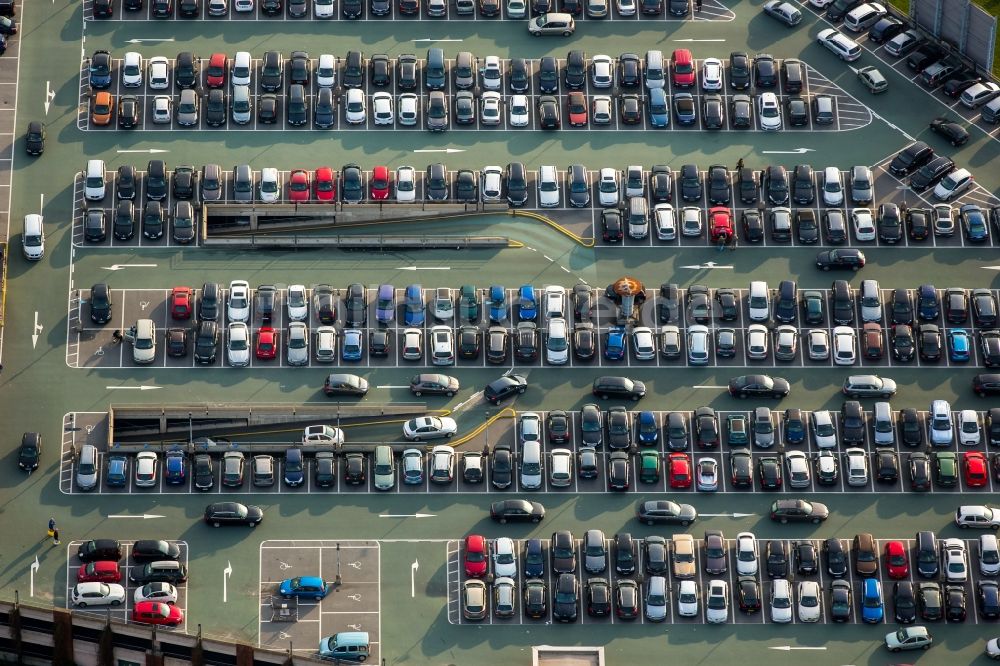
(52, 525)
(697, 5)
(116, 336)
(739, 164)
(55, 537)
(732, 243)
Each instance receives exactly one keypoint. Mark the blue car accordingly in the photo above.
(413, 308)
(974, 223)
(647, 429)
(527, 305)
(959, 344)
(175, 467)
(928, 303)
(614, 344)
(872, 606)
(534, 559)
(117, 471)
(353, 348)
(304, 587)
(685, 109)
(498, 303)
(659, 110)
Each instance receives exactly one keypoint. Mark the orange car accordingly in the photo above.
(102, 106)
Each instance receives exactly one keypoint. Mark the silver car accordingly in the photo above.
(798, 469)
(297, 343)
(187, 108)
(819, 344)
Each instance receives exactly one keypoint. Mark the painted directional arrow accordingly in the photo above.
(448, 151)
(708, 386)
(707, 264)
(49, 96)
(787, 648)
(428, 39)
(727, 515)
(413, 578)
(991, 268)
(118, 267)
(226, 573)
(424, 268)
(699, 40)
(34, 568)
(150, 39)
(151, 151)
(144, 387)
(144, 516)
(407, 515)
(793, 151)
(37, 331)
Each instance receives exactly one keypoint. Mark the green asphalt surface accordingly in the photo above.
(38, 388)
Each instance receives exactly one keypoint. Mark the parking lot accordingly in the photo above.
(353, 604)
(124, 612)
(8, 127)
(456, 577)
(849, 112)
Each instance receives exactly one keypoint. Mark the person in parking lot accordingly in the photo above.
(739, 164)
(116, 336)
(697, 5)
(732, 243)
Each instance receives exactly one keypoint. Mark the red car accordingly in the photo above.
(181, 302)
(267, 343)
(976, 475)
(576, 105)
(476, 561)
(683, 68)
(154, 612)
(896, 561)
(216, 74)
(720, 223)
(298, 186)
(324, 184)
(381, 183)
(680, 470)
(104, 571)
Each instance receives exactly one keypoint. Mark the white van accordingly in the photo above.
(531, 465)
(548, 187)
(33, 237)
(556, 342)
(242, 68)
(93, 186)
(759, 301)
(655, 75)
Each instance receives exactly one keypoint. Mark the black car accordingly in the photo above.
(575, 69)
(837, 10)
(352, 184)
(504, 387)
(34, 138)
(630, 108)
(30, 451)
(95, 228)
(97, 550)
(619, 387)
(272, 71)
(706, 428)
(806, 558)
(125, 182)
(806, 225)
(852, 422)
(911, 158)
(548, 113)
(886, 465)
(924, 56)
(233, 513)
(598, 597)
(985, 384)
(835, 556)
(187, 70)
(747, 186)
(956, 305)
(727, 302)
(775, 181)
(739, 70)
(624, 550)
(929, 342)
(718, 185)
(984, 308)
(798, 511)
(184, 183)
(501, 466)
(955, 603)
(584, 341)
(840, 601)
(354, 469)
(748, 594)
(765, 71)
(156, 180)
(297, 111)
(769, 471)
(741, 464)
(763, 386)
(776, 555)
(177, 342)
(803, 187)
(952, 131)
(516, 510)
(989, 345)
(841, 258)
(989, 599)
(563, 552)
(918, 223)
(930, 173)
(901, 307)
(959, 82)
(890, 223)
(548, 75)
(902, 342)
(690, 183)
(665, 512)
(465, 108)
(885, 29)
(517, 72)
(267, 109)
(911, 432)
(565, 598)
(629, 70)
(929, 601)
(153, 550)
(215, 108)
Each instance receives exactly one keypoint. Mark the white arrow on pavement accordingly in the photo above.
(118, 267)
(151, 151)
(424, 268)
(413, 578)
(34, 568)
(708, 386)
(449, 151)
(474, 397)
(393, 386)
(707, 264)
(226, 573)
(727, 515)
(49, 96)
(144, 387)
(144, 516)
(991, 268)
(407, 515)
(699, 40)
(36, 331)
(794, 151)
(786, 648)
(149, 39)
(428, 39)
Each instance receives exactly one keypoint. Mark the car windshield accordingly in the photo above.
(688, 598)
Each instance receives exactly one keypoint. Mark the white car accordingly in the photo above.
(297, 343)
(238, 301)
(786, 343)
(824, 434)
(769, 112)
(746, 554)
(687, 598)
(857, 466)
(810, 601)
(691, 221)
(555, 302)
(982, 517)
(939, 423)
(548, 187)
(504, 557)
(238, 344)
(557, 342)
(356, 109)
(833, 186)
(406, 189)
(601, 110)
(666, 223)
(944, 220)
(407, 109)
(698, 337)
(429, 427)
(968, 427)
(864, 224)
(953, 561)
(953, 184)
(717, 603)
(326, 344)
(818, 343)
(491, 185)
(382, 110)
(326, 71)
(841, 45)
(443, 306)
(491, 73)
(844, 345)
(608, 187)
(165, 593)
(781, 601)
(492, 112)
(322, 434)
(163, 109)
(132, 70)
(797, 464)
(827, 468)
(97, 594)
(297, 302)
(625, 7)
(708, 475)
(323, 9)
(412, 344)
(159, 73)
(520, 115)
(270, 185)
(145, 469)
(561, 468)
(711, 74)
(643, 345)
(757, 336)
(517, 9)
(602, 71)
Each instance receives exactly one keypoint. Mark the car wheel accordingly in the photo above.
(743, 396)
(826, 268)
(567, 33)
(604, 396)
(685, 523)
(449, 393)
(815, 521)
(416, 393)
(116, 603)
(503, 521)
(215, 524)
(253, 524)
(362, 658)
(783, 521)
(649, 522)
(449, 435)
(536, 34)
(777, 396)
(535, 520)
(521, 390)
(963, 526)
(81, 605)
(893, 649)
